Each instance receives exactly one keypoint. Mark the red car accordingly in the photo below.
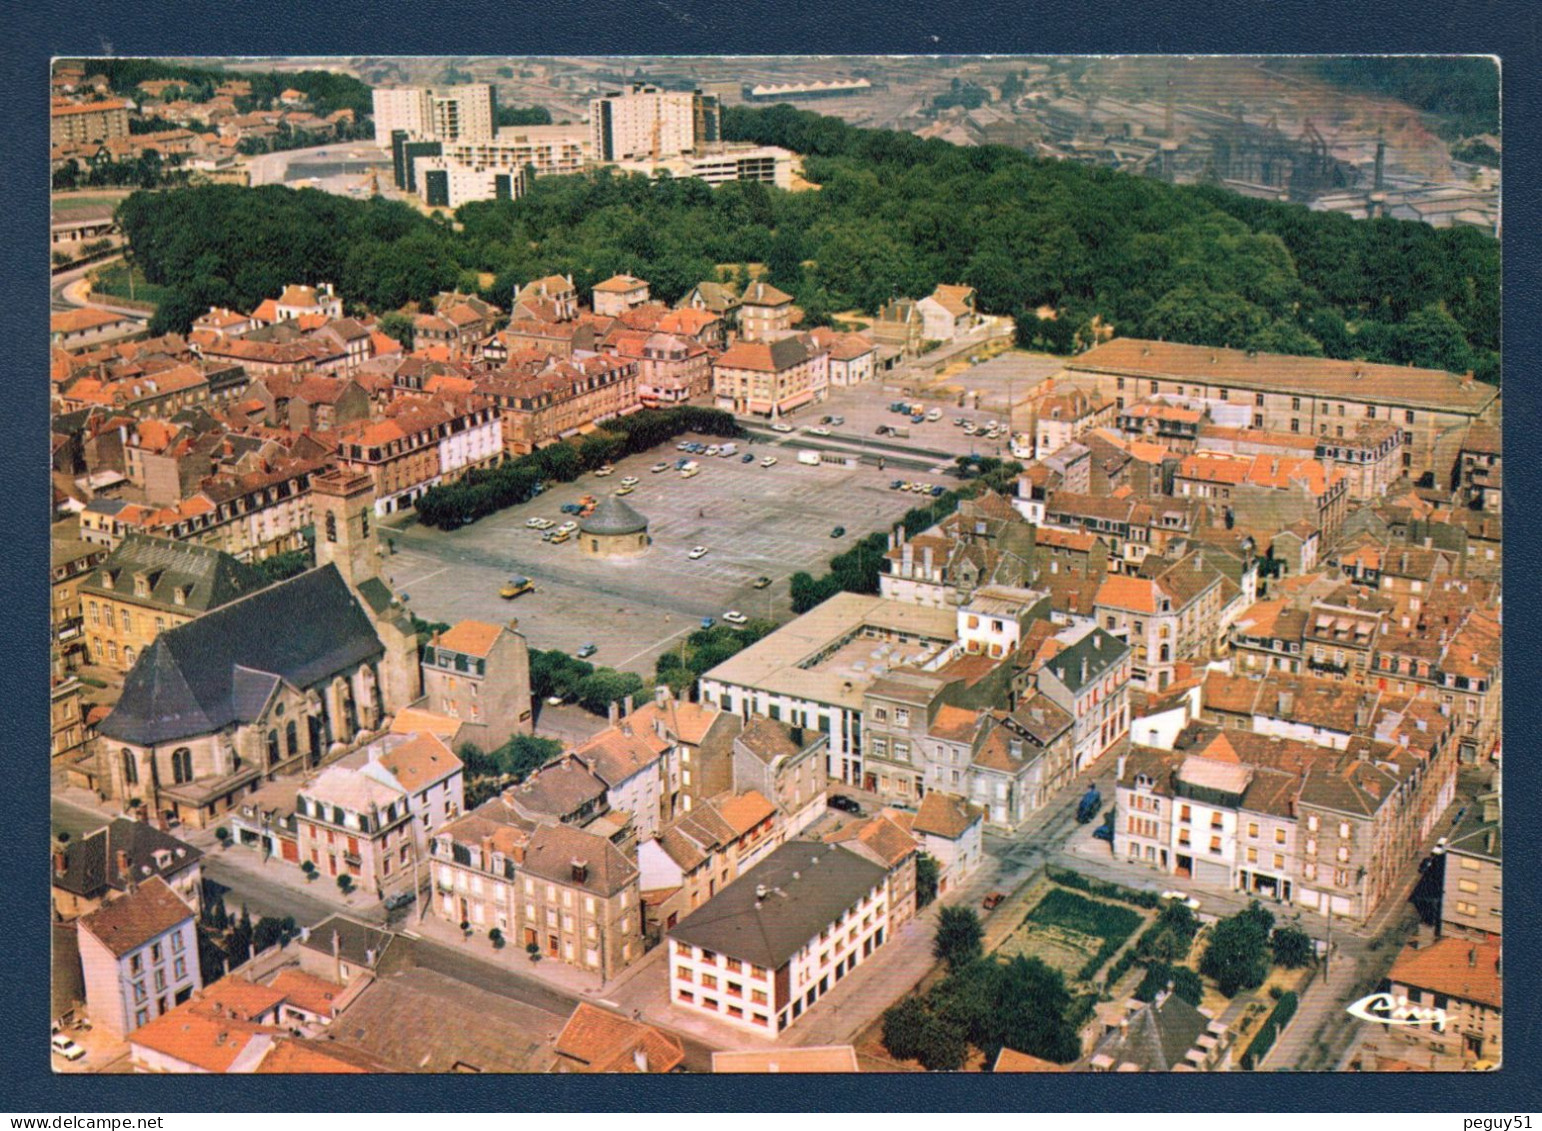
(993, 899)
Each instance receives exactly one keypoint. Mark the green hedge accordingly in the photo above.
(1102, 889)
(1263, 1041)
(482, 492)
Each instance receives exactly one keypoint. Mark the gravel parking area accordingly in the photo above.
(755, 521)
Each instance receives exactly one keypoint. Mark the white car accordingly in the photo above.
(698, 552)
(817, 431)
(63, 1046)
(630, 481)
(533, 523)
(606, 470)
(712, 449)
(1182, 897)
(969, 429)
(554, 700)
(769, 461)
(568, 527)
(734, 616)
(780, 427)
(658, 467)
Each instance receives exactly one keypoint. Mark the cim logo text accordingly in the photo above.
(1389, 1010)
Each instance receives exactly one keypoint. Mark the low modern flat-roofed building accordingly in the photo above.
(772, 943)
(814, 673)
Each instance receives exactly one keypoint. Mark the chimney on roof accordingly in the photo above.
(60, 860)
(640, 1058)
(1472, 956)
(626, 706)
(1084, 669)
(337, 957)
(613, 712)
(661, 694)
(125, 873)
(580, 871)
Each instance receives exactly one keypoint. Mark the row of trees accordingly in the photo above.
(149, 170)
(555, 673)
(486, 491)
(704, 650)
(896, 215)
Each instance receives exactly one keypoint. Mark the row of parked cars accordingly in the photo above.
(918, 488)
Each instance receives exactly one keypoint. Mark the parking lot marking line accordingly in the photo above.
(688, 628)
(425, 577)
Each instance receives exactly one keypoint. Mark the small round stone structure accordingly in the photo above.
(614, 530)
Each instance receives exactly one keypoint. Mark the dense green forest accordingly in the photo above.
(895, 215)
(1462, 92)
(327, 92)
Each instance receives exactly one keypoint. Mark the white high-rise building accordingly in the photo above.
(647, 123)
(450, 113)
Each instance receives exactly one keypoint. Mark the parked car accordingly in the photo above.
(937, 492)
(630, 481)
(762, 582)
(817, 431)
(400, 899)
(837, 420)
(993, 900)
(697, 552)
(708, 622)
(571, 508)
(63, 1046)
(838, 532)
(605, 470)
(625, 489)
(567, 527)
(660, 466)
(533, 523)
(586, 651)
(769, 461)
(1182, 897)
(917, 418)
(554, 700)
(898, 485)
(746, 458)
(712, 449)
(560, 536)
(780, 427)
(515, 586)
(734, 616)
(843, 803)
(1087, 807)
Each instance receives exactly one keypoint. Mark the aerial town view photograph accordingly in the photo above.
(843, 564)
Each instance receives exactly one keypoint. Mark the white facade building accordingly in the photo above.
(139, 955)
(767, 947)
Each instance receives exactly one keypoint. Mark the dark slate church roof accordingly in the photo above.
(221, 668)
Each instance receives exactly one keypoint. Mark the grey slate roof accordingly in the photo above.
(1098, 648)
(209, 577)
(809, 884)
(613, 516)
(89, 863)
(189, 682)
(356, 942)
(1159, 1036)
